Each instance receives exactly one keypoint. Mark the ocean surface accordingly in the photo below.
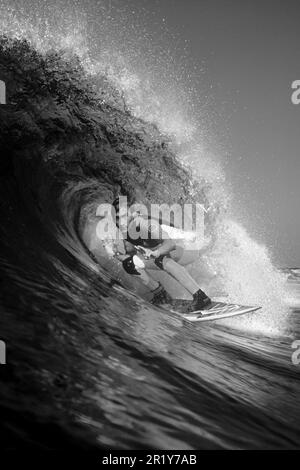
(90, 362)
(92, 366)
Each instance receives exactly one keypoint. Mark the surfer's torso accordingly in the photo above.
(144, 232)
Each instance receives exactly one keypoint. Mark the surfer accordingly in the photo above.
(153, 249)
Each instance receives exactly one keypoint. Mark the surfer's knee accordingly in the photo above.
(165, 262)
(133, 265)
(160, 261)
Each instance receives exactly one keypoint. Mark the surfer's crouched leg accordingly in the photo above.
(160, 296)
(135, 266)
(180, 273)
(200, 299)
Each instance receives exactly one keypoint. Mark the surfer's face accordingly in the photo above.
(123, 221)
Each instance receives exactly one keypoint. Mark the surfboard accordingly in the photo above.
(217, 311)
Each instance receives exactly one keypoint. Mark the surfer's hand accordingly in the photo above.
(154, 253)
(151, 253)
(147, 253)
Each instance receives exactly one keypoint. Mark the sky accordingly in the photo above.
(234, 61)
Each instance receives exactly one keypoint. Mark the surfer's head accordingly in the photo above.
(116, 206)
(121, 213)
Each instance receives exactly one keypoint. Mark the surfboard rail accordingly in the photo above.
(217, 311)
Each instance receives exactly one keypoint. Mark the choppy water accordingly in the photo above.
(92, 364)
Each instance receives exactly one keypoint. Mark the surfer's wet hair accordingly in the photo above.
(116, 206)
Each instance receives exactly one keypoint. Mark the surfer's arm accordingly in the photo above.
(167, 244)
(155, 232)
(165, 248)
(124, 250)
(129, 248)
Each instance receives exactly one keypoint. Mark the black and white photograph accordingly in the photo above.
(149, 229)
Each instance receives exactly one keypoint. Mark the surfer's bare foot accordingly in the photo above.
(160, 296)
(200, 300)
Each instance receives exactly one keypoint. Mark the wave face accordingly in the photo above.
(88, 358)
